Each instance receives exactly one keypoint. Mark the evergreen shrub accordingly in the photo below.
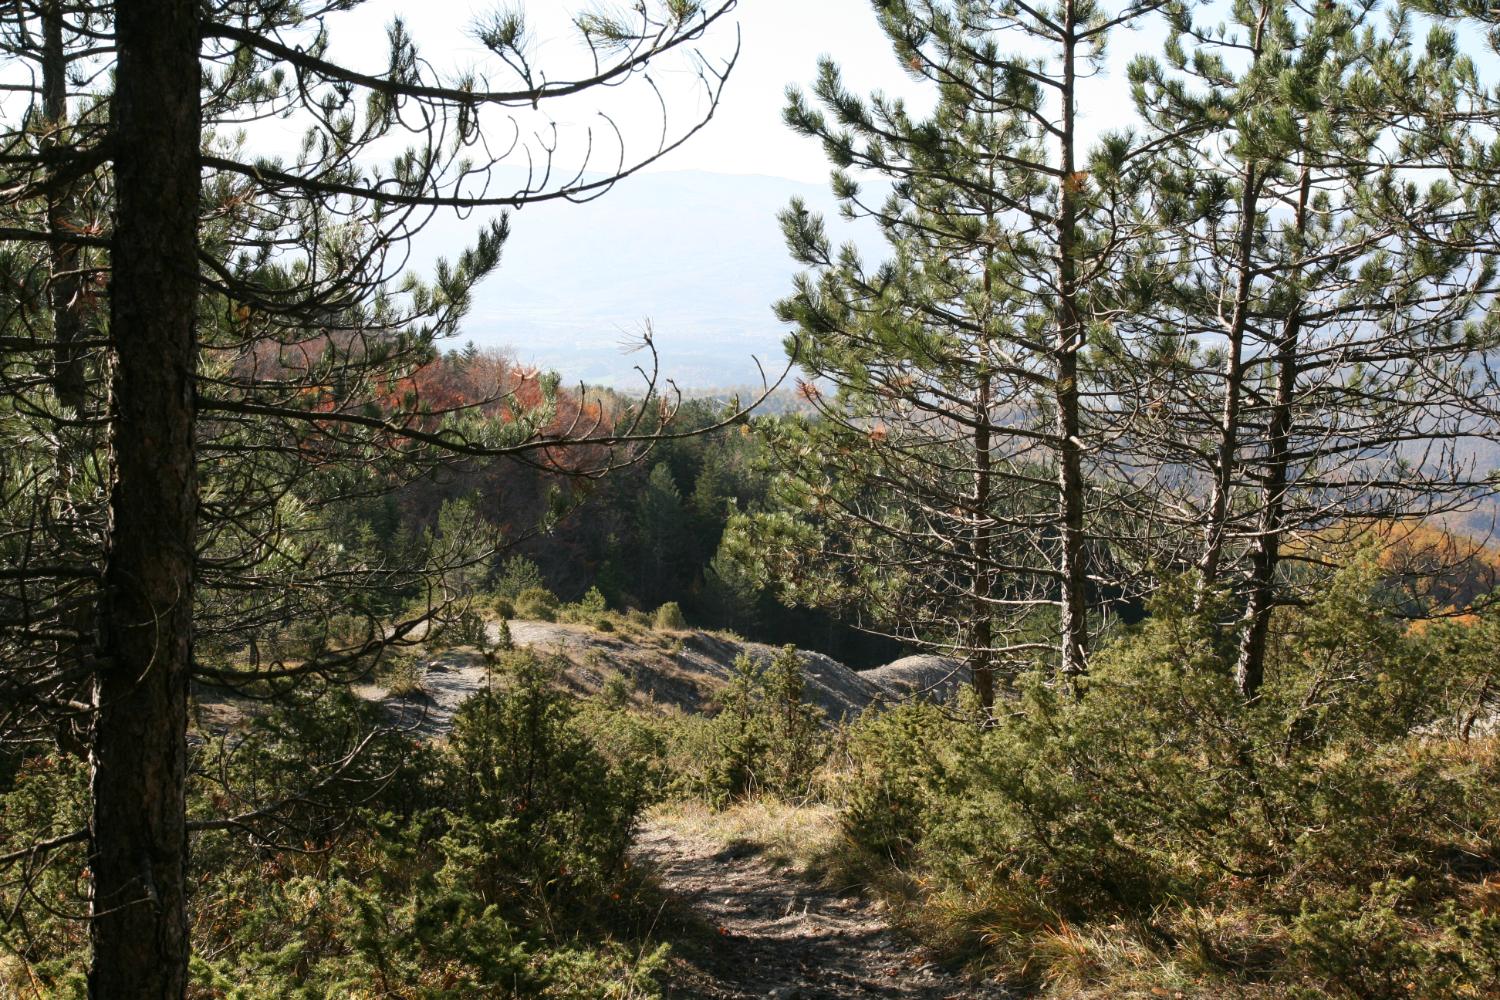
(669, 618)
(518, 575)
(405, 869)
(1334, 837)
(763, 740)
(537, 604)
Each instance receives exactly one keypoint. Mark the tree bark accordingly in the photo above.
(1070, 335)
(981, 657)
(138, 831)
(66, 286)
(1265, 556)
(69, 374)
(1216, 527)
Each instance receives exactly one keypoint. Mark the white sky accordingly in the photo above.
(782, 41)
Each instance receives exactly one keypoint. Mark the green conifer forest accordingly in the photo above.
(1097, 600)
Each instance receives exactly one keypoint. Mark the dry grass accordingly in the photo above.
(403, 678)
(804, 838)
(1056, 960)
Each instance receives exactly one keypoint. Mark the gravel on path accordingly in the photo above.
(785, 938)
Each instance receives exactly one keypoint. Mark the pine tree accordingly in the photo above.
(957, 426)
(1305, 359)
(265, 357)
(660, 523)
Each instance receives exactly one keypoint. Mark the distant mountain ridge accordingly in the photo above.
(699, 255)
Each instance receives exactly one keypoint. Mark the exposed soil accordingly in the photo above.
(684, 669)
(922, 676)
(448, 681)
(767, 933)
(667, 670)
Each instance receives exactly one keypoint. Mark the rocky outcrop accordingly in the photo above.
(923, 676)
(685, 669)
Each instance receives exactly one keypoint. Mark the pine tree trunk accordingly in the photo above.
(981, 663)
(981, 657)
(1070, 334)
(1266, 554)
(65, 282)
(139, 755)
(69, 375)
(1216, 527)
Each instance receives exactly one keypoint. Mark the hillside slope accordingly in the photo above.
(677, 670)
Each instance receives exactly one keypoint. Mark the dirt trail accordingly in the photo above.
(778, 936)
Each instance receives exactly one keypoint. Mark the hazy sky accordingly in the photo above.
(701, 258)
